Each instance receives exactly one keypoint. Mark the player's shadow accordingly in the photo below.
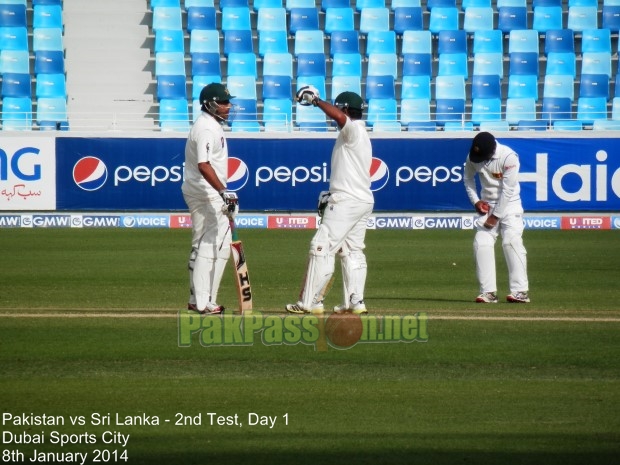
(416, 299)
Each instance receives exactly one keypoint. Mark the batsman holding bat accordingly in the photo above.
(346, 208)
(211, 206)
(501, 212)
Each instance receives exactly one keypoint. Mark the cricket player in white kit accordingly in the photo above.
(501, 212)
(347, 207)
(210, 204)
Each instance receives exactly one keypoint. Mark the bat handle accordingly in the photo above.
(233, 230)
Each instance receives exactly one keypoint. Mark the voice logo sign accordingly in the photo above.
(90, 173)
(379, 174)
(238, 174)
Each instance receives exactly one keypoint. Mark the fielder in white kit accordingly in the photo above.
(346, 209)
(501, 212)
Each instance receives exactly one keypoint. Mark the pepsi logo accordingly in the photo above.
(90, 173)
(379, 174)
(238, 174)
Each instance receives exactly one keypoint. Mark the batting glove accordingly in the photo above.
(307, 95)
(323, 200)
(231, 204)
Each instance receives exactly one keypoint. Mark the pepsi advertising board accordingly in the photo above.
(407, 174)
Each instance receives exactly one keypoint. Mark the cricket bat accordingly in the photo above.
(240, 268)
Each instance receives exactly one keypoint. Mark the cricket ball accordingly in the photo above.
(343, 329)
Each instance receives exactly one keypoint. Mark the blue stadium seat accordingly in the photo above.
(278, 64)
(417, 42)
(387, 126)
(170, 87)
(13, 15)
(311, 64)
(47, 38)
(458, 125)
(325, 4)
(560, 40)
(405, 3)
(523, 63)
(452, 42)
(206, 64)
(245, 118)
(416, 87)
(16, 61)
(361, 4)
(169, 63)
(374, 19)
(201, 17)
(243, 87)
(238, 42)
(290, 4)
(16, 85)
(382, 110)
(605, 125)
(611, 18)
(432, 4)
(417, 64)
(53, 85)
(278, 115)
(271, 19)
(234, 3)
(443, 19)
(488, 42)
(494, 126)
(383, 64)
(236, 18)
(344, 42)
(596, 63)
(489, 63)
(47, 2)
(449, 110)
(47, 16)
(277, 87)
(204, 41)
(486, 109)
(381, 42)
(537, 3)
(596, 40)
(53, 109)
(567, 125)
(478, 19)
(547, 18)
(590, 109)
(309, 41)
(165, 17)
(259, 4)
(415, 110)
(525, 40)
(309, 118)
(476, 4)
(561, 63)
(594, 85)
(450, 87)
(242, 64)
(347, 64)
(272, 42)
(532, 125)
(486, 87)
(407, 19)
(167, 3)
(339, 19)
(169, 40)
(615, 109)
(554, 108)
(559, 86)
(582, 17)
(453, 64)
(504, 3)
(192, 3)
(303, 19)
(380, 87)
(511, 18)
(345, 83)
(16, 114)
(523, 86)
(520, 109)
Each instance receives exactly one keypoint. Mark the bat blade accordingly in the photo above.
(242, 277)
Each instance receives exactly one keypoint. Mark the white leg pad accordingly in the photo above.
(318, 273)
(516, 261)
(190, 266)
(484, 254)
(354, 269)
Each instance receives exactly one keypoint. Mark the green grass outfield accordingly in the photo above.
(89, 325)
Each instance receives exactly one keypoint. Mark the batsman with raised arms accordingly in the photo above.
(210, 204)
(501, 212)
(345, 209)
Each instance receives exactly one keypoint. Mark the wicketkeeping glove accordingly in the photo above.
(231, 204)
(323, 200)
(307, 95)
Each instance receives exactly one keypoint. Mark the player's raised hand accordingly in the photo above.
(307, 95)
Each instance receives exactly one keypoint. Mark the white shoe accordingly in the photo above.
(518, 297)
(341, 308)
(487, 298)
(212, 309)
(299, 309)
(358, 308)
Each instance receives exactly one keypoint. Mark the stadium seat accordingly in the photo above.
(488, 42)
(493, 126)
(560, 41)
(272, 42)
(165, 17)
(559, 86)
(554, 108)
(520, 109)
(167, 3)
(278, 64)
(532, 125)
(475, 3)
(537, 3)
(245, 118)
(596, 63)
(170, 87)
(594, 85)
(523, 41)
(457, 125)
(290, 4)
(381, 42)
(582, 17)
(47, 39)
(236, 19)
(546, 18)
(511, 19)
(169, 40)
(13, 15)
(309, 118)
(605, 125)
(432, 4)
(193, 3)
(596, 40)
(478, 19)
(452, 42)
(345, 83)
(523, 86)
(339, 19)
(382, 110)
(615, 109)
(204, 41)
(453, 64)
(380, 87)
(486, 87)
(47, 16)
(54, 85)
(347, 64)
(362, 4)
(504, 3)
(417, 64)
(206, 64)
(489, 63)
(234, 3)
(523, 63)
(404, 3)
(422, 126)
(277, 87)
(238, 42)
(561, 63)
(201, 18)
(387, 126)
(486, 109)
(257, 5)
(450, 87)
(383, 64)
(17, 61)
(611, 18)
(271, 19)
(169, 63)
(16, 114)
(590, 109)
(307, 41)
(325, 4)
(443, 19)
(417, 42)
(311, 64)
(243, 87)
(16, 85)
(53, 109)
(567, 125)
(303, 19)
(242, 64)
(278, 115)
(449, 110)
(46, 2)
(344, 42)
(374, 19)
(415, 110)
(416, 87)
(407, 19)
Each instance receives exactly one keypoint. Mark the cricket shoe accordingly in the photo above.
(518, 298)
(487, 298)
(299, 309)
(358, 308)
(212, 309)
(192, 307)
